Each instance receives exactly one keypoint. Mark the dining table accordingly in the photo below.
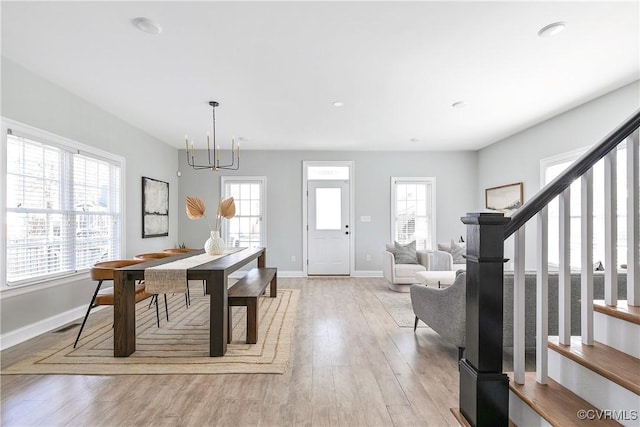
(215, 273)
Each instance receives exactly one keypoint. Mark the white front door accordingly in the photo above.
(328, 233)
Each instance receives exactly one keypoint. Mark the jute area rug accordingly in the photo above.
(398, 305)
(180, 346)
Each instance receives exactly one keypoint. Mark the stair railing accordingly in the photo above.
(484, 388)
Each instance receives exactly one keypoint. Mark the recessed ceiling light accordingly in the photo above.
(552, 29)
(414, 140)
(147, 25)
(338, 104)
(459, 104)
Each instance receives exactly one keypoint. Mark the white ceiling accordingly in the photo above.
(277, 67)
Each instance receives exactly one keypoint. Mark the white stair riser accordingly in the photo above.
(593, 388)
(615, 333)
(521, 414)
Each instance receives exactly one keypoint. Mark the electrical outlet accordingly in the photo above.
(293, 258)
(368, 257)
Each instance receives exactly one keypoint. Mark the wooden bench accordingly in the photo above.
(245, 292)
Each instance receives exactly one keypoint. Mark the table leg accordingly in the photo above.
(219, 310)
(124, 315)
(262, 259)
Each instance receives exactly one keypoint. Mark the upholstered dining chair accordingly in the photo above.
(104, 271)
(159, 255)
(176, 251)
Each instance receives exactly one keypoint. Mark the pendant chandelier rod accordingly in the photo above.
(214, 163)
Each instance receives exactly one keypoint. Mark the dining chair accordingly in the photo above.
(176, 251)
(103, 271)
(158, 255)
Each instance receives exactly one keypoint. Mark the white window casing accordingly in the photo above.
(248, 228)
(413, 211)
(62, 203)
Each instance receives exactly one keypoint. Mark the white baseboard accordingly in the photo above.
(291, 274)
(362, 273)
(25, 333)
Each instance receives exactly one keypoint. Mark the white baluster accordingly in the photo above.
(633, 220)
(518, 307)
(564, 269)
(542, 297)
(586, 250)
(610, 229)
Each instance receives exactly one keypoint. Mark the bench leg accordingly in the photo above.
(229, 326)
(274, 286)
(252, 320)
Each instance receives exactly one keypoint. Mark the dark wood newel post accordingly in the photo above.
(484, 388)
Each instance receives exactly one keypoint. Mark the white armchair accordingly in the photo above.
(402, 276)
(442, 260)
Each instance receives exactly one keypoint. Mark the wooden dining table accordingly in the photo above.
(215, 274)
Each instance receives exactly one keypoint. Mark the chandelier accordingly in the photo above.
(213, 160)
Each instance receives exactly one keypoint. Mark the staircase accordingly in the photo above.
(599, 383)
(592, 379)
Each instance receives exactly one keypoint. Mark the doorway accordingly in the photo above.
(328, 218)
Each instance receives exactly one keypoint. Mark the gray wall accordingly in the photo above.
(29, 99)
(461, 178)
(517, 158)
(455, 174)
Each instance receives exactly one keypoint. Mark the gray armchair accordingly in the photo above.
(443, 310)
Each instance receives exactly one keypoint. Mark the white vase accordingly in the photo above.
(214, 244)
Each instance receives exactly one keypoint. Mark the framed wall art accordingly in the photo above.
(505, 198)
(155, 208)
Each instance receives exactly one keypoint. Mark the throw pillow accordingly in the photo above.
(457, 251)
(406, 254)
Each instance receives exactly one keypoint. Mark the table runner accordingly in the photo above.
(172, 277)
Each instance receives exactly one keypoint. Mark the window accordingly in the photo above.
(413, 211)
(551, 168)
(248, 227)
(62, 206)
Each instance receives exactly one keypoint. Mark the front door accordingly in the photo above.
(328, 227)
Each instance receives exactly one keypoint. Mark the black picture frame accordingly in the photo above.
(155, 208)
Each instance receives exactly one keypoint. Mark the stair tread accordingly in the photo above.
(556, 404)
(616, 366)
(622, 311)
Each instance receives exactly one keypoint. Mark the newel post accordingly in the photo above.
(484, 388)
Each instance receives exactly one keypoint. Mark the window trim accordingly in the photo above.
(418, 179)
(28, 131)
(262, 180)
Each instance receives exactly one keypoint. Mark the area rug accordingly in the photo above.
(180, 346)
(398, 305)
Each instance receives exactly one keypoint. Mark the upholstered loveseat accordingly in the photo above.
(448, 307)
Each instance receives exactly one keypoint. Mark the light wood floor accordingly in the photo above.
(351, 366)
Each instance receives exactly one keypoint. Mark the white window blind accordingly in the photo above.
(62, 209)
(248, 227)
(413, 211)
